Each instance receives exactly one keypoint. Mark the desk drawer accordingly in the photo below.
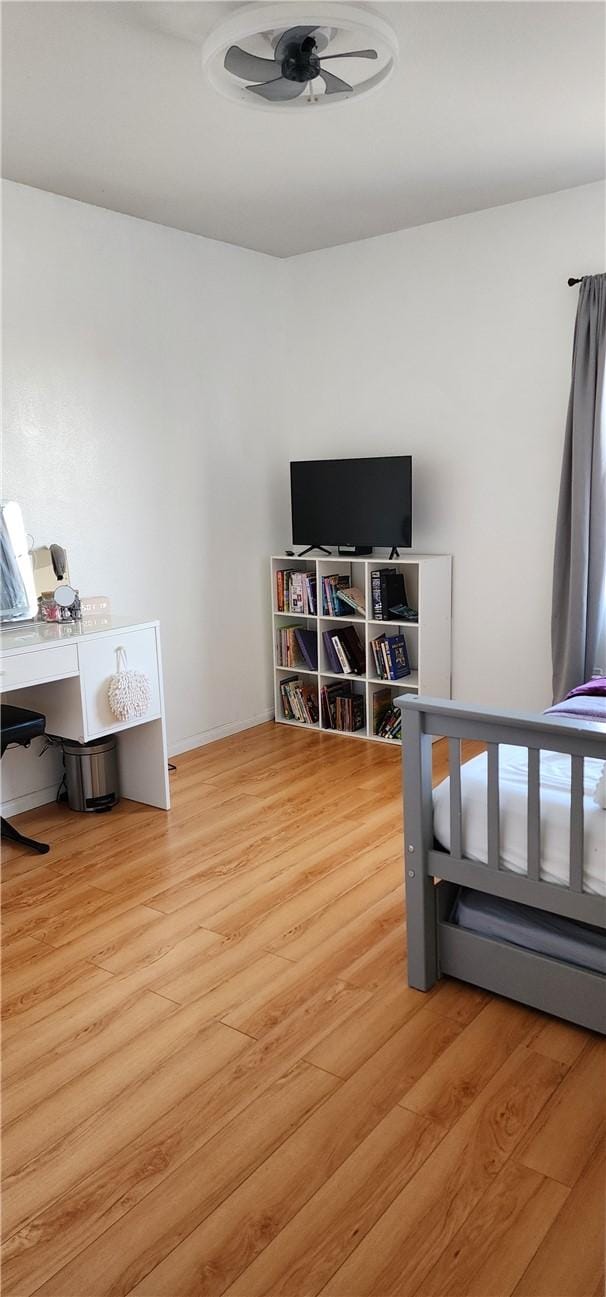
(98, 663)
(35, 667)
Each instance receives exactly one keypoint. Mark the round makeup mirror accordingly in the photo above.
(64, 595)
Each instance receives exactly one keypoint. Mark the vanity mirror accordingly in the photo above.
(18, 597)
(28, 571)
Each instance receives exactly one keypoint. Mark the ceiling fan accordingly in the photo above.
(297, 61)
(259, 56)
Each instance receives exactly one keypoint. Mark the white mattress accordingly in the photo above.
(555, 815)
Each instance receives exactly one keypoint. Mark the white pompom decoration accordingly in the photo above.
(129, 692)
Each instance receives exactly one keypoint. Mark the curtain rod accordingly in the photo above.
(572, 282)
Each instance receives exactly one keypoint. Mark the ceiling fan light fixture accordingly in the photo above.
(272, 56)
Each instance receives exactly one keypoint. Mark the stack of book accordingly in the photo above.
(342, 709)
(296, 647)
(339, 598)
(296, 592)
(390, 656)
(388, 592)
(299, 701)
(331, 595)
(386, 717)
(344, 651)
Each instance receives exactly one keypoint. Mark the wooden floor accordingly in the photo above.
(216, 1079)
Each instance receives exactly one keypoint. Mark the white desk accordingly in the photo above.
(62, 670)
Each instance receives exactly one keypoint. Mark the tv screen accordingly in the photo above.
(364, 502)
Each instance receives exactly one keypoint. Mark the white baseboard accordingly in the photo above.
(29, 801)
(220, 732)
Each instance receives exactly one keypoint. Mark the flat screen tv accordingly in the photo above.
(361, 502)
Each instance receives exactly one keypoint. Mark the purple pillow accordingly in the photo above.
(591, 687)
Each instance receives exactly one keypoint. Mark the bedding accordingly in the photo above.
(582, 707)
(545, 934)
(555, 815)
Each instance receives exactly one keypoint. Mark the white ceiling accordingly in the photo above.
(491, 102)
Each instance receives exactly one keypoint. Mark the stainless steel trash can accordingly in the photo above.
(91, 774)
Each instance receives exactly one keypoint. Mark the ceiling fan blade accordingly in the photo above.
(275, 91)
(294, 36)
(334, 85)
(351, 54)
(249, 66)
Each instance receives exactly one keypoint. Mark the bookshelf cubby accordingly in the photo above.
(427, 579)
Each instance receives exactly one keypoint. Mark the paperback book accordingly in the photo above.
(386, 717)
(299, 701)
(296, 592)
(296, 647)
(390, 657)
(334, 603)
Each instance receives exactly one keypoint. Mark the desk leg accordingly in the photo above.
(143, 764)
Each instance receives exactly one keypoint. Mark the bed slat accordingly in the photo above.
(494, 851)
(577, 823)
(534, 814)
(454, 768)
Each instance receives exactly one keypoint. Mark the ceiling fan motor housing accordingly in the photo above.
(301, 63)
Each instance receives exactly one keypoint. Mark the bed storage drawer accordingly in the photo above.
(537, 980)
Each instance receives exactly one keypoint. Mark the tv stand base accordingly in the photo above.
(310, 548)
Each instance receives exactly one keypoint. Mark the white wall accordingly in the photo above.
(453, 342)
(157, 384)
(142, 432)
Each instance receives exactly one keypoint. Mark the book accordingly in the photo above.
(388, 591)
(342, 709)
(284, 646)
(393, 590)
(391, 724)
(295, 592)
(390, 655)
(354, 598)
(397, 654)
(296, 601)
(353, 648)
(309, 593)
(386, 717)
(331, 652)
(299, 701)
(375, 591)
(381, 703)
(332, 603)
(344, 651)
(344, 661)
(307, 641)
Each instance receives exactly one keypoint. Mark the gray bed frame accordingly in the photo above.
(436, 946)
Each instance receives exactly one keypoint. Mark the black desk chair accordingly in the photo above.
(20, 726)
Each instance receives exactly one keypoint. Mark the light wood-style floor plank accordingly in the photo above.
(125, 1252)
(570, 1259)
(218, 1251)
(216, 1079)
(565, 1136)
(398, 1253)
(494, 1245)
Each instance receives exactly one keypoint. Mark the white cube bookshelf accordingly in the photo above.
(428, 580)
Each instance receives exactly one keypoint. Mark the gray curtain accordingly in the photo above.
(580, 549)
